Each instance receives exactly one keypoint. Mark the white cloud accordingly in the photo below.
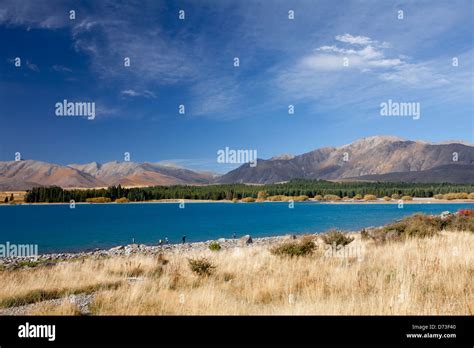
(362, 53)
(354, 40)
(134, 93)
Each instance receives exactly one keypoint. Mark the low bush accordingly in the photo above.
(336, 238)
(459, 195)
(278, 198)
(331, 198)
(303, 247)
(201, 266)
(318, 198)
(418, 225)
(248, 199)
(407, 198)
(122, 200)
(214, 246)
(370, 197)
(462, 221)
(421, 226)
(387, 198)
(358, 197)
(98, 200)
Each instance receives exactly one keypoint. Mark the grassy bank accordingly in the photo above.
(411, 272)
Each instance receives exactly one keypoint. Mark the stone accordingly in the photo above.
(445, 214)
(245, 240)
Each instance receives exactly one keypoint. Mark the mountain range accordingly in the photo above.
(362, 159)
(377, 158)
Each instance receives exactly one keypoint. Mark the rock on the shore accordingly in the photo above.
(444, 215)
(245, 240)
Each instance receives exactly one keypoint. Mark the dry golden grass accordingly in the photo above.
(418, 276)
(18, 196)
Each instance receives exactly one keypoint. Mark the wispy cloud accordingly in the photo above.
(32, 67)
(363, 70)
(60, 68)
(134, 93)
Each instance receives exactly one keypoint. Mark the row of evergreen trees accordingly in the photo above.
(309, 188)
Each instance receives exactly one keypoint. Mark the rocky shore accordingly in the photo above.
(142, 249)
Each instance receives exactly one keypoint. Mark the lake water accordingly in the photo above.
(58, 228)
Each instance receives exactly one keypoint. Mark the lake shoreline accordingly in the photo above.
(192, 201)
(146, 249)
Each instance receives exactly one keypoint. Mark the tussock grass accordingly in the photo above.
(418, 276)
(38, 295)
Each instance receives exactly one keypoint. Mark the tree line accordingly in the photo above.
(299, 187)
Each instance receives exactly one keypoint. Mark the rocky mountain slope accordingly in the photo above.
(22, 175)
(364, 157)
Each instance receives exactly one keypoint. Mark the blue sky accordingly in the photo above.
(191, 62)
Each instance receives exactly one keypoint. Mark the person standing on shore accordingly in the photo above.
(184, 239)
(166, 239)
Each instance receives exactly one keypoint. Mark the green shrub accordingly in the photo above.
(214, 246)
(396, 196)
(336, 238)
(387, 198)
(201, 266)
(407, 198)
(370, 197)
(318, 198)
(304, 247)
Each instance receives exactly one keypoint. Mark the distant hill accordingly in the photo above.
(22, 175)
(365, 157)
(452, 173)
(142, 174)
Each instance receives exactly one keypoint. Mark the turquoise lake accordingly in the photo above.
(58, 228)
